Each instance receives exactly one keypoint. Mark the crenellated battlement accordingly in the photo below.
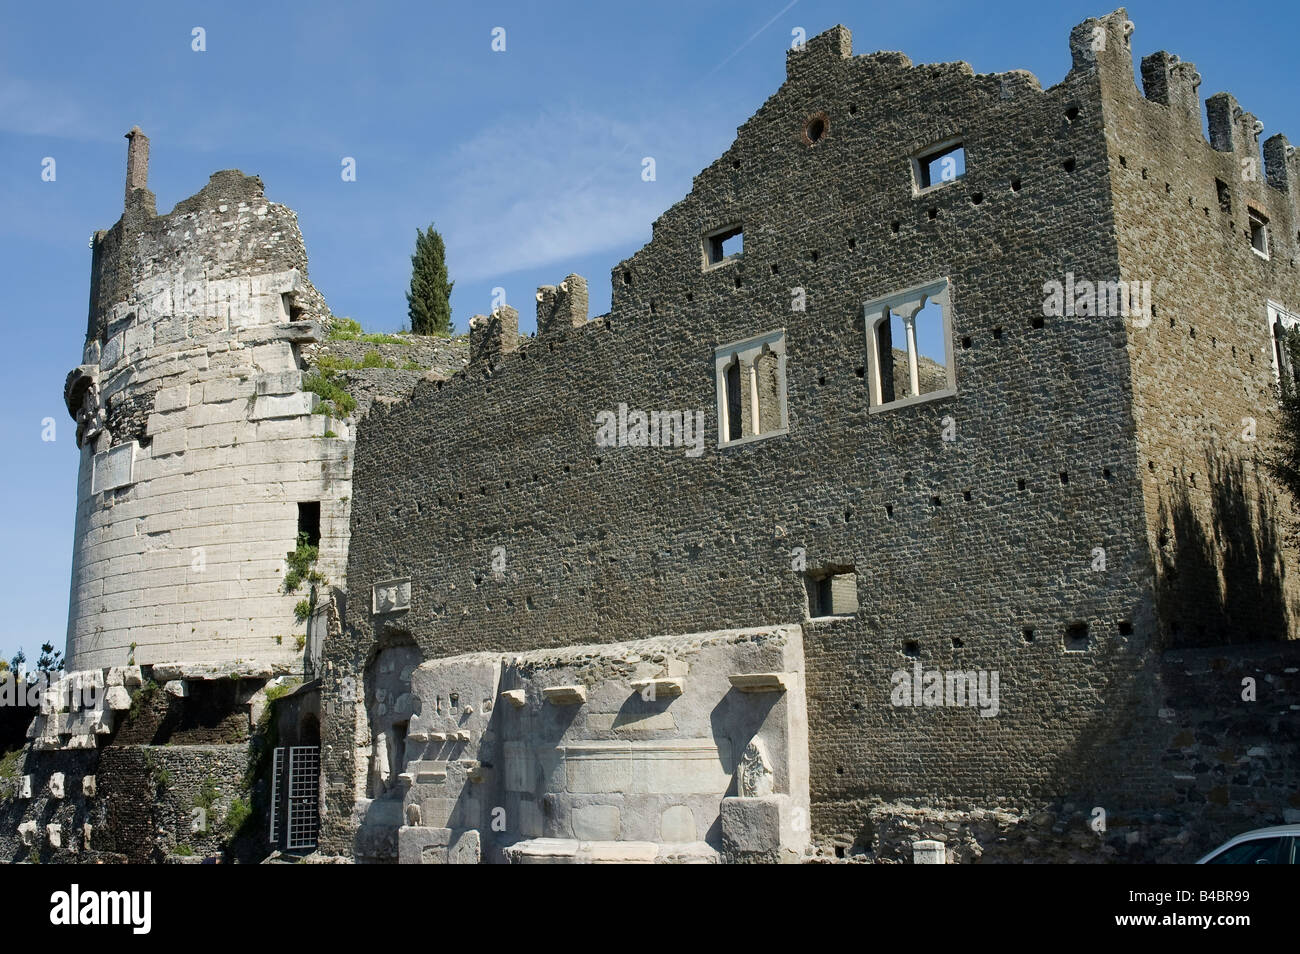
(1171, 82)
(561, 307)
(493, 335)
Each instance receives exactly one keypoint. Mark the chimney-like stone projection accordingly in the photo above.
(137, 162)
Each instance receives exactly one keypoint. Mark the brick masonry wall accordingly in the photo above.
(603, 544)
(1215, 765)
(1202, 368)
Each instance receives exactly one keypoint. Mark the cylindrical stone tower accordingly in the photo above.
(202, 458)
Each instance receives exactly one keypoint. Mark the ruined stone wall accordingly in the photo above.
(518, 532)
(1218, 728)
(134, 797)
(197, 440)
(1202, 365)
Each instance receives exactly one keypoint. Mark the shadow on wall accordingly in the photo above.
(1220, 576)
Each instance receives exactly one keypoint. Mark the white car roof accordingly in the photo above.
(1277, 831)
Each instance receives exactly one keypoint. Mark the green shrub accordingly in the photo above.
(348, 329)
(238, 816)
(301, 610)
(276, 692)
(9, 763)
(208, 794)
(301, 566)
(345, 329)
(335, 401)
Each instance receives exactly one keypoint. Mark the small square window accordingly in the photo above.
(939, 164)
(832, 592)
(1259, 233)
(750, 378)
(1076, 638)
(723, 246)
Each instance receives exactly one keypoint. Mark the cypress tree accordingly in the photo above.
(429, 300)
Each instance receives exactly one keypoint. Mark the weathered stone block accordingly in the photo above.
(117, 698)
(565, 695)
(284, 405)
(759, 829)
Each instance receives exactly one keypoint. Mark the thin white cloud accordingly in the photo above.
(36, 109)
(534, 191)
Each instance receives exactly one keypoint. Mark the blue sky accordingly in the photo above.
(528, 160)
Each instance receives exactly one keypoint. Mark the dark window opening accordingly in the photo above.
(291, 311)
(1076, 638)
(309, 730)
(729, 243)
(943, 164)
(309, 522)
(1225, 195)
(734, 422)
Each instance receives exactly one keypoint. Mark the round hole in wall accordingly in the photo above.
(815, 128)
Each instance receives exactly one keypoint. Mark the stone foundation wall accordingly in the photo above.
(1199, 764)
(173, 775)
